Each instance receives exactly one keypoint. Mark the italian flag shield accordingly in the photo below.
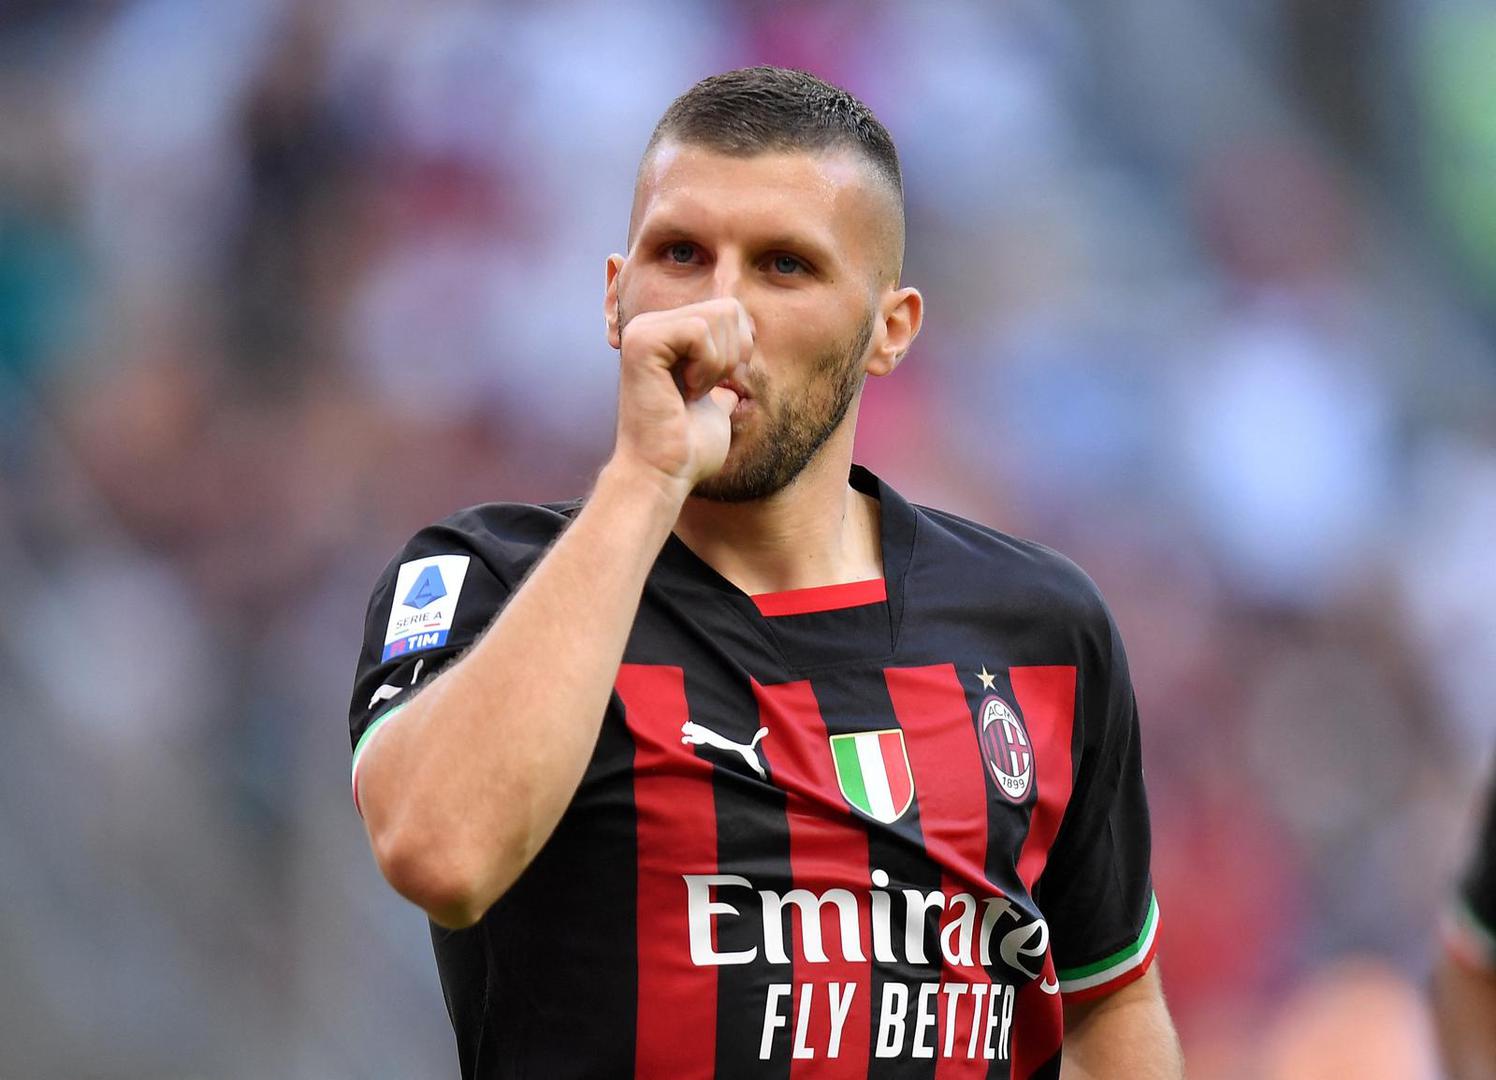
(872, 768)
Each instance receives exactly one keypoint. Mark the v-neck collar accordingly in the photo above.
(681, 569)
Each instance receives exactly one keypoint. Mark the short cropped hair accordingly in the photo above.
(758, 110)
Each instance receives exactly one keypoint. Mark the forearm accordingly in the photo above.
(462, 790)
(1465, 1008)
(1127, 1034)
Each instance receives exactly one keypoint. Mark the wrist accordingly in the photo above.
(637, 484)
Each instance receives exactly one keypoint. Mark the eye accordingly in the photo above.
(681, 252)
(786, 264)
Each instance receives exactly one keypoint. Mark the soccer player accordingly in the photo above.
(1465, 980)
(742, 765)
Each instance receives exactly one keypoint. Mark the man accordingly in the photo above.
(1465, 979)
(761, 770)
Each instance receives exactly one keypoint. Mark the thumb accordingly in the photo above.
(726, 399)
(722, 398)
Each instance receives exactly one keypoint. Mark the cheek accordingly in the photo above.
(806, 338)
(640, 290)
(790, 334)
(638, 293)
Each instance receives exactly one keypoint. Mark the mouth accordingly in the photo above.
(737, 388)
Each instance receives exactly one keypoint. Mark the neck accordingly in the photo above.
(816, 531)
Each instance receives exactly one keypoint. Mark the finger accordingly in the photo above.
(662, 339)
(746, 333)
(698, 354)
(729, 344)
(709, 366)
(730, 323)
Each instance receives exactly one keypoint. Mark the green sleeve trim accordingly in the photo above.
(1119, 963)
(363, 741)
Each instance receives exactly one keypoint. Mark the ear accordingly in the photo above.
(901, 313)
(610, 300)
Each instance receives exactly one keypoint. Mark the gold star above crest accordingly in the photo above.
(988, 679)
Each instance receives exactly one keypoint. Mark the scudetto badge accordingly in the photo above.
(1006, 746)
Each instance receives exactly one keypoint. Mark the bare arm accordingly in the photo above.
(464, 786)
(1465, 1009)
(1128, 1033)
(461, 790)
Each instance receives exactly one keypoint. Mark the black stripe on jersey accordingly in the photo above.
(1005, 818)
(1050, 1070)
(752, 840)
(854, 700)
(558, 1002)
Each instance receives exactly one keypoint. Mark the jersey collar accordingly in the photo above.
(682, 571)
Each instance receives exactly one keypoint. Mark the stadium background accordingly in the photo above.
(1212, 296)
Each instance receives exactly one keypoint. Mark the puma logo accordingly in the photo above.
(693, 734)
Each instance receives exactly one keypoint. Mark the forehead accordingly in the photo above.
(833, 195)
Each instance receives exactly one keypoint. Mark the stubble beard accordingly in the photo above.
(793, 434)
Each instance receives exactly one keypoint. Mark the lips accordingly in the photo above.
(737, 388)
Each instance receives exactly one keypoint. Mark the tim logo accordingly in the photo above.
(428, 640)
(1006, 747)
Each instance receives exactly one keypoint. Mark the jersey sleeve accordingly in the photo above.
(430, 603)
(1096, 891)
(1469, 929)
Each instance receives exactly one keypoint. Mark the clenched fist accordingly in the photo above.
(673, 417)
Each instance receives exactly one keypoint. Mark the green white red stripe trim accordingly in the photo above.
(1468, 939)
(1118, 969)
(363, 745)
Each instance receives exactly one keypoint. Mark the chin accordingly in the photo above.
(727, 486)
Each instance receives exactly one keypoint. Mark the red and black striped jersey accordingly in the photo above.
(1469, 928)
(868, 830)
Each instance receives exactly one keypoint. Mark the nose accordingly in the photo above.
(727, 279)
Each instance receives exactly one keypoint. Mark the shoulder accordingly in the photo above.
(1020, 575)
(508, 528)
(505, 537)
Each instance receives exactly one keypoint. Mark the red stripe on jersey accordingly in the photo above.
(947, 762)
(896, 767)
(828, 850)
(1038, 1022)
(932, 709)
(677, 834)
(1046, 698)
(822, 598)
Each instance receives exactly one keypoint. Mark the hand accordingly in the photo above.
(673, 419)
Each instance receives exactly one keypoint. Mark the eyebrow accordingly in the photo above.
(821, 254)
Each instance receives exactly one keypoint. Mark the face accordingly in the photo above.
(792, 425)
(809, 243)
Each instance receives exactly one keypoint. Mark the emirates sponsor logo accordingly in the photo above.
(974, 932)
(978, 1019)
(965, 939)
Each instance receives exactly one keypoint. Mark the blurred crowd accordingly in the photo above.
(281, 281)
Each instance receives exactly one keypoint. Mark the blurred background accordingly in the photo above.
(1211, 297)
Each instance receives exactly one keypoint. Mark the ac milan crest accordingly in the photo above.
(1006, 747)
